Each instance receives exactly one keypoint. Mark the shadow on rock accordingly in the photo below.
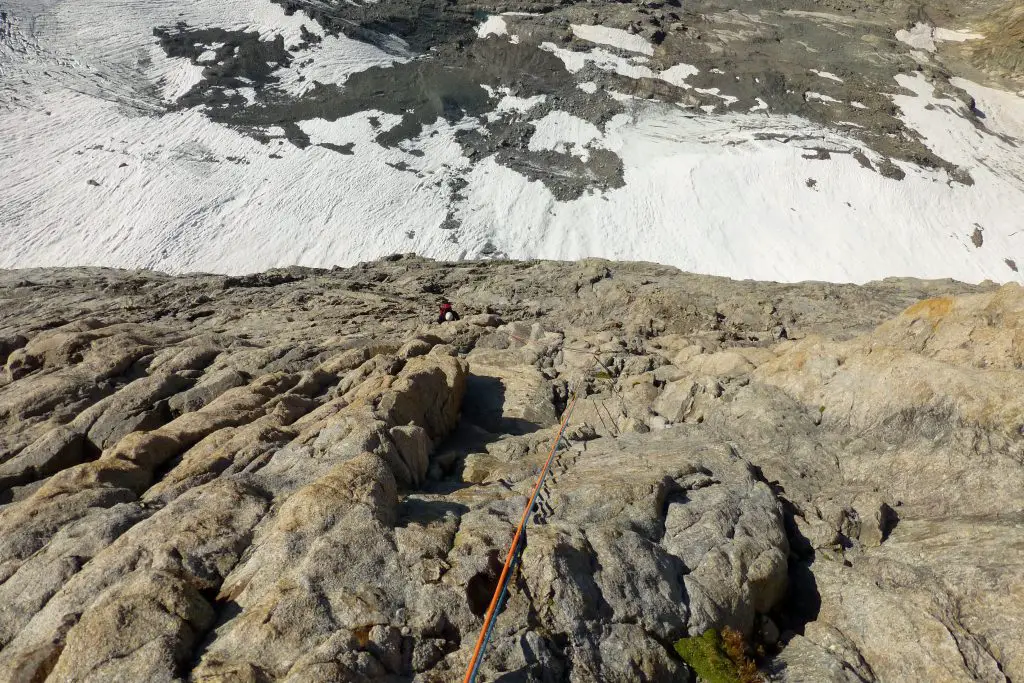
(484, 406)
(418, 511)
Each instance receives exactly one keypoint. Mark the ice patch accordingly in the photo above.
(602, 35)
(825, 74)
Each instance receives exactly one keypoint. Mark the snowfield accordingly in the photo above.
(96, 169)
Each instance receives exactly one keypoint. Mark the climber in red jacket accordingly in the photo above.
(447, 313)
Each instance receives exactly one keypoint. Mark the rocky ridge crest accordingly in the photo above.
(296, 476)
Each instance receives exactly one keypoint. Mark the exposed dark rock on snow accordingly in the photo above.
(755, 54)
(295, 476)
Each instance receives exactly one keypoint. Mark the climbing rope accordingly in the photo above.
(514, 553)
(610, 424)
(591, 352)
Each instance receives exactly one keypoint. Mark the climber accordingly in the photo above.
(447, 313)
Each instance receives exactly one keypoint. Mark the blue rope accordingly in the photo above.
(559, 440)
(497, 611)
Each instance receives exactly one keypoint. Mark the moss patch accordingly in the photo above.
(705, 656)
(718, 658)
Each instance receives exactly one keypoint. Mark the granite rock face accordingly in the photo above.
(297, 476)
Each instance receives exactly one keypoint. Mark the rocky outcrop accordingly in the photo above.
(297, 477)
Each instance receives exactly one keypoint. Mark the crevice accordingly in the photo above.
(480, 588)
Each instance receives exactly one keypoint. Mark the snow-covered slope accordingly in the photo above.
(101, 164)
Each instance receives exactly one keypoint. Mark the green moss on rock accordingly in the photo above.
(704, 654)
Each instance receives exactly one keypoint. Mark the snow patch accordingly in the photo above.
(606, 61)
(728, 99)
(761, 105)
(511, 103)
(1003, 111)
(332, 60)
(810, 96)
(923, 36)
(588, 87)
(920, 37)
(826, 74)
(677, 75)
(956, 36)
(858, 105)
(615, 37)
(248, 93)
(493, 25)
(560, 131)
(706, 191)
(602, 59)
(178, 77)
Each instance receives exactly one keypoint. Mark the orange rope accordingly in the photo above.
(489, 617)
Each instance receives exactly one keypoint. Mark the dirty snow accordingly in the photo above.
(923, 36)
